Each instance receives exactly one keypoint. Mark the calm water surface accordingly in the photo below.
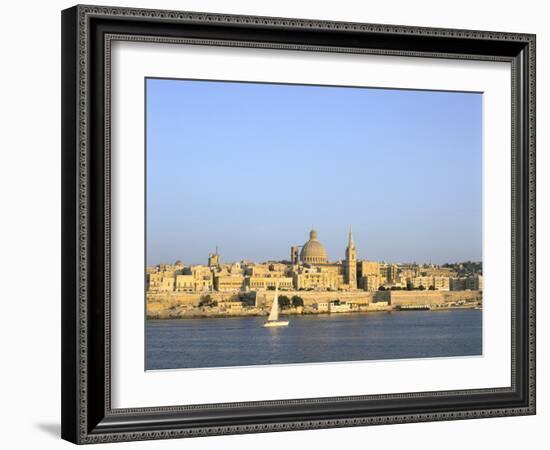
(242, 341)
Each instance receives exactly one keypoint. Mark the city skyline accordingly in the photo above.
(252, 167)
(217, 250)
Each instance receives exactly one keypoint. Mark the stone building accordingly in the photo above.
(317, 278)
(371, 283)
(471, 283)
(390, 272)
(439, 283)
(432, 271)
(309, 269)
(365, 268)
(266, 282)
(160, 281)
(229, 282)
(185, 283)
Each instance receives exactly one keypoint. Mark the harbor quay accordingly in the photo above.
(217, 304)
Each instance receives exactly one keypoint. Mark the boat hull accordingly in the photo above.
(278, 323)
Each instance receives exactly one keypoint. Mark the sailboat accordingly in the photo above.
(273, 319)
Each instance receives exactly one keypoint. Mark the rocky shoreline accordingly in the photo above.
(205, 313)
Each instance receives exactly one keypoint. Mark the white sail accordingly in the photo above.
(274, 314)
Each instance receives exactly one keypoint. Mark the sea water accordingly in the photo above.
(242, 341)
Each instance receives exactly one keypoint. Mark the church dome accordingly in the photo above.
(313, 252)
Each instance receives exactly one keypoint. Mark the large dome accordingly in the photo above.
(313, 251)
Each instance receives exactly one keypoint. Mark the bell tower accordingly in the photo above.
(294, 258)
(351, 262)
(214, 260)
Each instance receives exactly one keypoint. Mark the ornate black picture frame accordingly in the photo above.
(87, 33)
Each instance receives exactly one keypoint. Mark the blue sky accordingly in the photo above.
(252, 167)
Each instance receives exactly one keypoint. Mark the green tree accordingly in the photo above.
(421, 288)
(206, 301)
(297, 301)
(284, 301)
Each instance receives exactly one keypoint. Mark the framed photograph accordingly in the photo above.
(279, 224)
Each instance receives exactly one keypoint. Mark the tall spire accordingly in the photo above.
(351, 263)
(350, 239)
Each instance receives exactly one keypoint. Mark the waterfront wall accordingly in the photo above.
(173, 304)
(402, 298)
(310, 298)
(394, 298)
(176, 304)
(187, 298)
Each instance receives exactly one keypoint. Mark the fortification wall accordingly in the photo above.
(171, 304)
(398, 298)
(310, 298)
(187, 298)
